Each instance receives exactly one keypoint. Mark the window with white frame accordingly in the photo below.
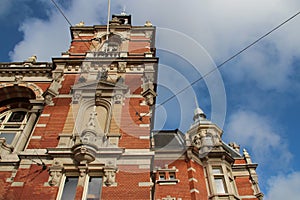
(91, 192)
(94, 188)
(69, 190)
(12, 123)
(162, 176)
(219, 181)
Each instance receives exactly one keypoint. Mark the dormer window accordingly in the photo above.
(162, 176)
(166, 176)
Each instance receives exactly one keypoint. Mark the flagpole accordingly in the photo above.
(107, 27)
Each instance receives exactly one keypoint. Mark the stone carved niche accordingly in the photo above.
(148, 85)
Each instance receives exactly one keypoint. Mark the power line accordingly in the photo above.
(61, 12)
(207, 74)
(229, 59)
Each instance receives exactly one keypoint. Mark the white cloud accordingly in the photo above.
(284, 187)
(258, 133)
(222, 27)
(48, 38)
(225, 27)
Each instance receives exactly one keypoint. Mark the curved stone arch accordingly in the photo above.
(123, 36)
(36, 89)
(38, 92)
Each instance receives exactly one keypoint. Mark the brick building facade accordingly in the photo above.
(81, 127)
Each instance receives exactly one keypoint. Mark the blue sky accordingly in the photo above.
(256, 95)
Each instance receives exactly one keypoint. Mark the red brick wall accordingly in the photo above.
(43, 86)
(239, 161)
(200, 185)
(244, 186)
(81, 45)
(54, 124)
(69, 81)
(128, 185)
(181, 189)
(131, 116)
(33, 188)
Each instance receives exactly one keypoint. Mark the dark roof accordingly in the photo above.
(168, 139)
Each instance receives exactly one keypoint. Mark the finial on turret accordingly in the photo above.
(124, 11)
(198, 113)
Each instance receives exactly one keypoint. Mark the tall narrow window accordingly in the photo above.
(94, 188)
(69, 190)
(219, 182)
(220, 186)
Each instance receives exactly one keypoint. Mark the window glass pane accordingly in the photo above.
(217, 170)
(162, 176)
(8, 136)
(220, 187)
(94, 188)
(172, 175)
(17, 116)
(12, 126)
(69, 190)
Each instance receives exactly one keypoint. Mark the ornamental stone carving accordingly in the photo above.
(122, 67)
(55, 174)
(109, 176)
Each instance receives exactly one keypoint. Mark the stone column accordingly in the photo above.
(25, 135)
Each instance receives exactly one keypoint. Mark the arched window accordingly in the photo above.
(18, 115)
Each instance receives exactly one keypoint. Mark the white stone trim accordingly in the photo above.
(248, 197)
(146, 137)
(36, 137)
(191, 169)
(194, 190)
(41, 125)
(144, 125)
(142, 163)
(45, 115)
(145, 114)
(145, 184)
(17, 184)
(61, 187)
(147, 166)
(193, 179)
(64, 96)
